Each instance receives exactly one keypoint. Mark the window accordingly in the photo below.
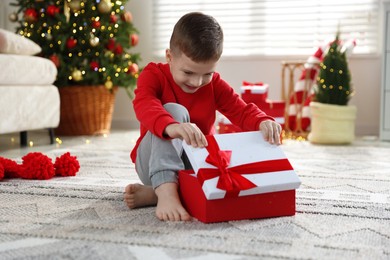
(276, 27)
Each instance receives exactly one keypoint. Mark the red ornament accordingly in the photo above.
(31, 15)
(55, 59)
(134, 39)
(96, 24)
(118, 49)
(71, 43)
(37, 166)
(94, 65)
(66, 165)
(111, 44)
(113, 18)
(133, 69)
(52, 10)
(127, 17)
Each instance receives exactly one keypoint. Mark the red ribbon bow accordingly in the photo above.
(230, 178)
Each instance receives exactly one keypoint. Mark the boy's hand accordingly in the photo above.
(189, 132)
(271, 131)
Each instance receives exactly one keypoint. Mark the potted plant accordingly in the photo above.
(89, 42)
(333, 120)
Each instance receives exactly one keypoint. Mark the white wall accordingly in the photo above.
(366, 73)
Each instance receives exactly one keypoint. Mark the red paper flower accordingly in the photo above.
(37, 166)
(52, 10)
(66, 165)
(1, 171)
(10, 168)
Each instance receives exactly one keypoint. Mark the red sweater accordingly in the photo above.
(156, 87)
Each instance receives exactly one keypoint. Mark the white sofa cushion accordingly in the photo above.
(13, 43)
(26, 70)
(25, 108)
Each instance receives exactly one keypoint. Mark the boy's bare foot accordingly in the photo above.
(138, 195)
(169, 207)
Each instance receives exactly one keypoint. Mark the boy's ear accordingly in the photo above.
(168, 55)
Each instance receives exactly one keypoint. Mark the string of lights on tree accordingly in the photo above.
(334, 79)
(88, 40)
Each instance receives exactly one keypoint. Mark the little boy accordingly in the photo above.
(177, 101)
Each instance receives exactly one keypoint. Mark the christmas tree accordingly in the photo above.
(88, 40)
(334, 80)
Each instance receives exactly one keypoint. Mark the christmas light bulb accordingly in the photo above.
(58, 140)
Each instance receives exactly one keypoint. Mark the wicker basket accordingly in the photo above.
(86, 110)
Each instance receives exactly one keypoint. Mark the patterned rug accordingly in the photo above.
(343, 210)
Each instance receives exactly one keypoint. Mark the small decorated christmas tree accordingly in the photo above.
(88, 40)
(334, 80)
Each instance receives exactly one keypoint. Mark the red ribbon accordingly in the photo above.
(230, 178)
(246, 83)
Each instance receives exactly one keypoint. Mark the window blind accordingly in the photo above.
(275, 27)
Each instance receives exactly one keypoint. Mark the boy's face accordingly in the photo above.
(190, 76)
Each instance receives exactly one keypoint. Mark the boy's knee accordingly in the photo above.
(178, 112)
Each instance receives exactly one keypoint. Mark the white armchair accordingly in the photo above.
(28, 100)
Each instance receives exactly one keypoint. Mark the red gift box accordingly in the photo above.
(274, 204)
(225, 126)
(252, 180)
(228, 128)
(273, 108)
(254, 92)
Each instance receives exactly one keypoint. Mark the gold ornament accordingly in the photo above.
(13, 17)
(77, 75)
(108, 84)
(94, 41)
(66, 11)
(74, 5)
(104, 6)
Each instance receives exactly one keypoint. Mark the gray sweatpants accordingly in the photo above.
(158, 160)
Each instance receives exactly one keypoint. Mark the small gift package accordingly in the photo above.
(225, 126)
(238, 176)
(254, 92)
(276, 109)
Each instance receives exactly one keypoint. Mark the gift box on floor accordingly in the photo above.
(238, 176)
(254, 92)
(225, 126)
(274, 108)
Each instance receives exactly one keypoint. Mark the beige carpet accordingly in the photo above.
(343, 209)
